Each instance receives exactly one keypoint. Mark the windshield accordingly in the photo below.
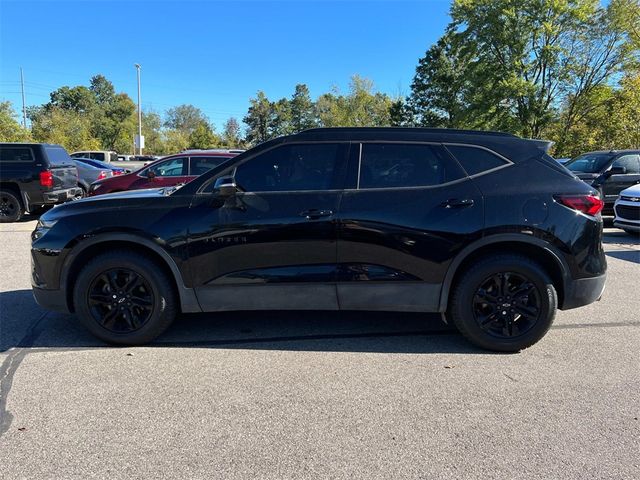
(588, 163)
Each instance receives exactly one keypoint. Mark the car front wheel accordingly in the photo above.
(124, 298)
(504, 302)
(10, 207)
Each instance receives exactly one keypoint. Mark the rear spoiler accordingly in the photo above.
(543, 145)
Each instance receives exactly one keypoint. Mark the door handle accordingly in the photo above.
(457, 203)
(314, 214)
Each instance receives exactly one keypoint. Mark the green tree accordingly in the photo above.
(10, 128)
(259, 119)
(152, 131)
(231, 134)
(203, 137)
(78, 99)
(185, 118)
(301, 110)
(64, 127)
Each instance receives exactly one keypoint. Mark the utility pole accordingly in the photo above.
(24, 107)
(140, 137)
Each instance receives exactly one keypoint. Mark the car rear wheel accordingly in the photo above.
(124, 298)
(10, 207)
(504, 303)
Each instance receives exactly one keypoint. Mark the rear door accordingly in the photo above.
(63, 169)
(408, 211)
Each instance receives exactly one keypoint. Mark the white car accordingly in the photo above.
(627, 209)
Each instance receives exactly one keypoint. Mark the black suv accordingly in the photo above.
(483, 227)
(33, 175)
(609, 172)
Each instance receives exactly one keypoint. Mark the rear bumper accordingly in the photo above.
(583, 291)
(51, 299)
(60, 196)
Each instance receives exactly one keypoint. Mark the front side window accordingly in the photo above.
(630, 162)
(200, 165)
(588, 163)
(98, 156)
(475, 160)
(290, 168)
(16, 154)
(390, 165)
(169, 168)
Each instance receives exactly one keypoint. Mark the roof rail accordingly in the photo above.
(452, 131)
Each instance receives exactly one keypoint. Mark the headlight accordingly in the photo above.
(45, 224)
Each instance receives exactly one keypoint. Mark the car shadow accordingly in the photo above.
(25, 325)
(620, 237)
(628, 255)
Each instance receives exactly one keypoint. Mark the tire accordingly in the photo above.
(511, 321)
(120, 315)
(10, 206)
(84, 191)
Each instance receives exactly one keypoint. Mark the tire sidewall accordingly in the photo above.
(476, 276)
(15, 199)
(163, 302)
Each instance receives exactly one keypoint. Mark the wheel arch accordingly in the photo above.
(88, 248)
(539, 250)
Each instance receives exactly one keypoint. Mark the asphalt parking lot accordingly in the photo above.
(321, 394)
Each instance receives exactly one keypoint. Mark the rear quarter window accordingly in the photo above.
(476, 160)
(58, 156)
(16, 154)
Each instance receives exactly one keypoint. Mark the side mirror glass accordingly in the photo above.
(151, 174)
(225, 186)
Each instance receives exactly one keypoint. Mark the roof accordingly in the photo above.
(399, 131)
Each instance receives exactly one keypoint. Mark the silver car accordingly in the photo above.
(88, 174)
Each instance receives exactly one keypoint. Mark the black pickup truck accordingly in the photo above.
(33, 175)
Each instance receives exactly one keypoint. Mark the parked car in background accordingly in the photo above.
(87, 174)
(124, 158)
(33, 175)
(609, 172)
(483, 227)
(627, 210)
(166, 172)
(103, 165)
(102, 155)
(562, 161)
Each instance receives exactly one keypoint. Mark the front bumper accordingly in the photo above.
(55, 300)
(583, 291)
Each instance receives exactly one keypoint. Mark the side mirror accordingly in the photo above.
(225, 186)
(616, 171)
(151, 174)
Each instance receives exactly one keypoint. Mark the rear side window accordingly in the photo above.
(58, 156)
(200, 165)
(16, 154)
(630, 162)
(391, 165)
(475, 160)
(98, 156)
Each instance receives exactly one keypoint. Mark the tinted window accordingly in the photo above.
(588, 163)
(405, 165)
(97, 156)
(475, 160)
(169, 168)
(79, 155)
(290, 167)
(200, 165)
(58, 156)
(630, 162)
(16, 154)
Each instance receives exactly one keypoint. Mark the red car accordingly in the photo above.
(165, 172)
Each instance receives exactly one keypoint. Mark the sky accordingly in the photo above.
(213, 54)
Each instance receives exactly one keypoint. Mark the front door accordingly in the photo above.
(166, 173)
(410, 211)
(273, 244)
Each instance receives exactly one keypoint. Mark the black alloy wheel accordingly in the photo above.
(506, 305)
(125, 297)
(121, 300)
(504, 302)
(10, 208)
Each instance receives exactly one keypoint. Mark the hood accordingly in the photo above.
(633, 191)
(108, 202)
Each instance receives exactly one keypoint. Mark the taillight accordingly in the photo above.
(102, 175)
(46, 179)
(117, 172)
(587, 204)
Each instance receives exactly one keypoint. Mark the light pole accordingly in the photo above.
(140, 139)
